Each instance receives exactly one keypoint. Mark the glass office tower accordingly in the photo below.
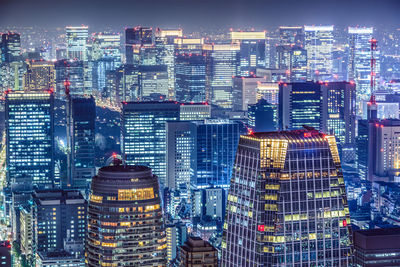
(76, 38)
(252, 51)
(125, 223)
(359, 64)
(287, 203)
(144, 133)
(10, 47)
(319, 46)
(30, 137)
(190, 75)
(81, 134)
(215, 143)
(300, 104)
(222, 63)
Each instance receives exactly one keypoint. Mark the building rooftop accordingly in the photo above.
(196, 244)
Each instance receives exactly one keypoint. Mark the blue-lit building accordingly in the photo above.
(30, 137)
(134, 38)
(222, 64)
(144, 134)
(215, 143)
(60, 221)
(252, 51)
(73, 71)
(190, 73)
(81, 134)
(10, 47)
(300, 104)
(263, 116)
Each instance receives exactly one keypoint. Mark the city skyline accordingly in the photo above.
(177, 13)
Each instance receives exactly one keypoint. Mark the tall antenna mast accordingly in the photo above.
(374, 46)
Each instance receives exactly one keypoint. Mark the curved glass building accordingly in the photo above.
(125, 225)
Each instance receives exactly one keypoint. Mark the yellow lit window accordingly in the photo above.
(135, 194)
(95, 198)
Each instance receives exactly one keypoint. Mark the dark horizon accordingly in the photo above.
(195, 15)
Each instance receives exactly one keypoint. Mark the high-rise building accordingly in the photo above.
(245, 91)
(189, 45)
(106, 55)
(197, 252)
(76, 38)
(263, 116)
(180, 145)
(194, 111)
(81, 135)
(377, 247)
(10, 47)
(190, 75)
(60, 221)
(319, 46)
(215, 143)
(144, 134)
(164, 41)
(359, 62)
(222, 65)
(153, 82)
(12, 76)
(176, 237)
(125, 218)
(252, 51)
(291, 35)
(268, 91)
(30, 137)
(300, 104)
(40, 76)
(340, 111)
(293, 59)
(384, 150)
(134, 39)
(287, 202)
(73, 71)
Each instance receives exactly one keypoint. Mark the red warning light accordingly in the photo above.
(344, 223)
(261, 227)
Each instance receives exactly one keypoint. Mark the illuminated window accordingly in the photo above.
(135, 194)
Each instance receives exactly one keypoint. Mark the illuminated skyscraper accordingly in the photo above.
(125, 222)
(252, 51)
(300, 104)
(359, 63)
(222, 64)
(40, 76)
(30, 137)
(190, 75)
(263, 116)
(245, 91)
(293, 59)
(144, 133)
(292, 36)
(81, 165)
(76, 38)
(340, 109)
(287, 203)
(153, 82)
(319, 46)
(215, 143)
(164, 41)
(59, 221)
(106, 56)
(10, 47)
(73, 71)
(134, 39)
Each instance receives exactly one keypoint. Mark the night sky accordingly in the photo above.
(199, 13)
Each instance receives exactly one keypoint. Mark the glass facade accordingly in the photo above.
(287, 203)
(300, 104)
(215, 146)
(125, 223)
(222, 64)
(76, 38)
(81, 167)
(30, 137)
(252, 51)
(319, 46)
(144, 134)
(190, 74)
